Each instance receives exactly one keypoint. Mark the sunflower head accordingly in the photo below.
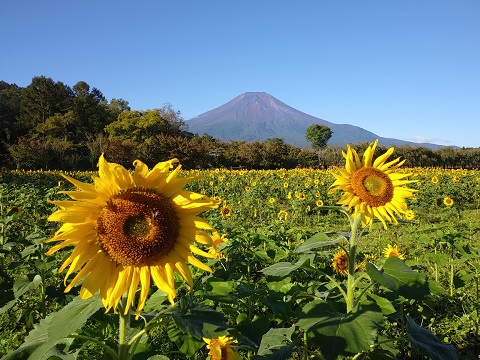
(226, 210)
(374, 188)
(392, 250)
(282, 215)
(222, 348)
(448, 201)
(217, 241)
(409, 215)
(128, 229)
(340, 263)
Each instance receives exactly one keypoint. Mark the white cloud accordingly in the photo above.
(431, 140)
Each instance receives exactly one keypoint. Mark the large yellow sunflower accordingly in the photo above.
(340, 263)
(128, 229)
(393, 251)
(374, 188)
(222, 348)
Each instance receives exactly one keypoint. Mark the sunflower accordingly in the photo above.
(221, 348)
(373, 188)
(319, 202)
(448, 201)
(340, 263)
(225, 211)
(435, 179)
(130, 228)
(282, 215)
(217, 240)
(409, 215)
(393, 251)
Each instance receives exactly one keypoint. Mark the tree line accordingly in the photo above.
(50, 125)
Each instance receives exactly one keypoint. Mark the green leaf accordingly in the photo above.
(254, 328)
(338, 334)
(217, 289)
(200, 321)
(316, 241)
(280, 269)
(275, 339)
(400, 278)
(439, 259)
(186, 343)
(156, 301)
(283, 286)
(29, 250)
(158, 357)
(55, 327)
(428, 344)
(384, 304)
(24, 284)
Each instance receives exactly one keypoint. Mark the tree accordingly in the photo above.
(141, 125)
(318, 136)
(90, 109)
(40, 100)
(9, 113)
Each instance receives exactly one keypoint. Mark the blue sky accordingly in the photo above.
(405, 69)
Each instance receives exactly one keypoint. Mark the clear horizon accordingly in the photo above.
(409, 70)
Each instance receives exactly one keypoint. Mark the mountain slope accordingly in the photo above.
(259, 116)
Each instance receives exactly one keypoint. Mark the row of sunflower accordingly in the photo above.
(241, 281)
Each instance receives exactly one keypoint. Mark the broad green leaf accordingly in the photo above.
(280, 269)
(423, 239)
(400, 278)
(29, 250)
(439, 258)
(385, 305)
(55, 327)
(275, 339)
(24, 284)
(428, 344)
(283, 286)
(219, 290)
(316, 241)
(186, 343)
(200, 321)
(254, 328)
(156, 301)
(7, 305)
(244, 291)
(337, 334)
(158, 357)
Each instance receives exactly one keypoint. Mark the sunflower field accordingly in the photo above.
(254, 264)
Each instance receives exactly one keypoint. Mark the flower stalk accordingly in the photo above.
(123, 326)
(352, 255)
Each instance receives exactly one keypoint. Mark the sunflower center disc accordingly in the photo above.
(137, 227)
(373, 186)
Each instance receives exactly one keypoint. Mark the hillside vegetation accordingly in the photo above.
(50, 125)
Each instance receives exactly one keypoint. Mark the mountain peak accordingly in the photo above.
(259, 116)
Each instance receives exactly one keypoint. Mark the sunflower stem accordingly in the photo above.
(352, 254)
(305, 346)
(123, 326)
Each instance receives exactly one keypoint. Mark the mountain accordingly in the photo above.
(259, 116)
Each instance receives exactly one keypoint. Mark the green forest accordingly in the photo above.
(53, 126)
